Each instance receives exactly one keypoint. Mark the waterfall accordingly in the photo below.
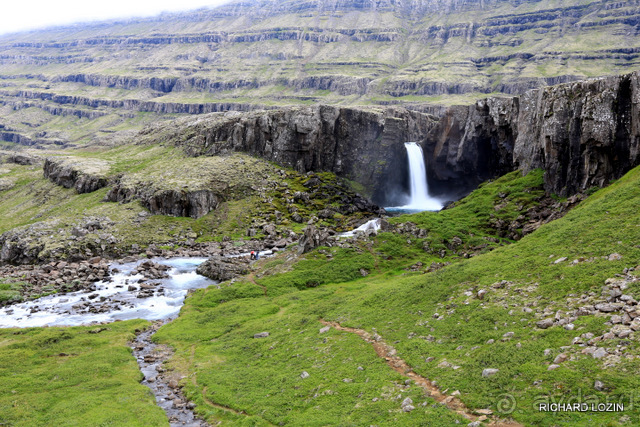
(420, 200)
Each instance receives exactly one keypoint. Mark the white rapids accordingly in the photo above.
(112, 300)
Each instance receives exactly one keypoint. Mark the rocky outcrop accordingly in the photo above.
(223, 268)
(363, 146)
(583, 134)
(23, 159)
(471, 144)
(72, 175)
(14, 249)
(313, 237)
(194, 203)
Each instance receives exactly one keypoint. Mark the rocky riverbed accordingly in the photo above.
(163, 383)
(136, 289)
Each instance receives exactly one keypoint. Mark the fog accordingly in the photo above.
(24, 15)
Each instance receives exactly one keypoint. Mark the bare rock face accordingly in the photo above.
(313, 237)
(223, 268)
(24, 159)
(583, 134)
(69, 175)
(364, 146)
(472, 144)
(192, 204)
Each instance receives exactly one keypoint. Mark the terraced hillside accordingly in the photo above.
(82, 83)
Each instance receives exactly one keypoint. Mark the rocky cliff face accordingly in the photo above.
(363, 146)
(69, 174)
(471, 144)
(583, 134)
(192, 204)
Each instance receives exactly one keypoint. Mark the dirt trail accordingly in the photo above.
(388, 353)
(251, 278)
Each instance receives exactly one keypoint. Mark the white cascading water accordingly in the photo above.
(420, 200)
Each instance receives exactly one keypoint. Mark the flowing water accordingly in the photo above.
(113, 299)
(419, 195)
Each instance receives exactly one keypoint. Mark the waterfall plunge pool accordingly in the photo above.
(419, 199)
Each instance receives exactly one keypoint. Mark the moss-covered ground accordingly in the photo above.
(73, 376)
(433, 318)
(434, 321)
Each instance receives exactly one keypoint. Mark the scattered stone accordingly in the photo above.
(599, 385)
(553, 367)
(599, 353)
(545, 324)
(615, 257)
(261, 335)
(559, 260)
(304, 375)
(488, 372)
(560, 358)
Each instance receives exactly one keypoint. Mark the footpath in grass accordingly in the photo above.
(436, 322)
(74, 376)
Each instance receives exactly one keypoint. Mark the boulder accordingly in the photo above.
(223, 268)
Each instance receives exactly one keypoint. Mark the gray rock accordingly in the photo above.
(560, 358)
(304, 375)
(559, 260)
(325, 329)
(599, 385)
(223, 268)
(545, 324)
(599, 353)
(261, 335)
(606, 307)
(488, 372)
(553, 367)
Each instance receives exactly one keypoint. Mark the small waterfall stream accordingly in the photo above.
(419, 195)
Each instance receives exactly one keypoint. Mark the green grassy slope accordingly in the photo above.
(435, 321)
(73, 376)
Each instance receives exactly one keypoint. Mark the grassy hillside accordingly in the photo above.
(73, 376)
(435, 322)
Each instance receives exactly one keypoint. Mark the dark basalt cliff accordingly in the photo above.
(471, 144)
(583, 134)
(69, 176)
(194, 204)
(363, 146)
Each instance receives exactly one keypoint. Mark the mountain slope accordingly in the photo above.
(102, 76)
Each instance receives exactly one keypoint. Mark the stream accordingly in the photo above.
(128, 294)
(125, 295)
